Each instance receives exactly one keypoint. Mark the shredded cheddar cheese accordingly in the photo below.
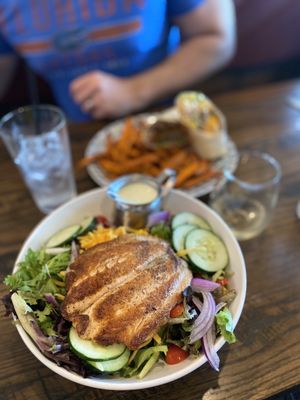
(101, 234)
(157, 338)
(58, 283)
(59, 296)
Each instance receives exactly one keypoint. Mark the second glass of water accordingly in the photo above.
(246, 198)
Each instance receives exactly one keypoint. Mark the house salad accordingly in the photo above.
(38, 289)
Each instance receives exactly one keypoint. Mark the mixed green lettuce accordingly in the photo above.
(225, 325)
(38, 274)
(162, 230)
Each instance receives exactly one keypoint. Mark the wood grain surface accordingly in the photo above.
(266, 359)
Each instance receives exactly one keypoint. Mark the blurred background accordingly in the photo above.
(268, 50)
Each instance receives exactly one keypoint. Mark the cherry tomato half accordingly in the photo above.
(175, 354)
(177, 310)
(102, 220)
(223, 281)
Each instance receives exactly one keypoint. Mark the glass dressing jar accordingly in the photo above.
(137, 195)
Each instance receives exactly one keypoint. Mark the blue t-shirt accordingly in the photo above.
(63, 39)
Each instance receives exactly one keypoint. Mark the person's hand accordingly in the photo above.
(104, 95)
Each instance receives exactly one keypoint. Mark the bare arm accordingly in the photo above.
(208, 34)
(7, 68)
(208, 44)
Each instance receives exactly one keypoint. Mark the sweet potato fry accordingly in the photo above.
(134, 152)
(197, 180)
(176, 160)
(151, 170)
(127, 132)
(85, 161)
(137, 162)
(111, 166)
(109, 143)
(129, 136)
(189, 170)
(203, 166)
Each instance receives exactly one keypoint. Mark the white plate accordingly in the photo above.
(98, 145)
(96, 202)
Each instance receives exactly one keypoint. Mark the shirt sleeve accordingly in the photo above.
(180, 7)
(5, 48)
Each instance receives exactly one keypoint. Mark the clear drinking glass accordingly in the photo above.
(246, 198)
(37, 140)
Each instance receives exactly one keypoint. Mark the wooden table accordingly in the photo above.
(266, 359)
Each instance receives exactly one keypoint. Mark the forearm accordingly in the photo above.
(208, 34)
(194, 61)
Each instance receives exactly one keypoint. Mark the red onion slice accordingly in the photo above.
(208, 342)
(74, 254)
(49, 297)
(198, 303)
(206, 318)
(200, 285)
(74, 251)
(157, 217)
(204, 327)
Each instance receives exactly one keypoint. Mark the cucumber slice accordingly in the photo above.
(185, 217)
(112, 365)
(89, 350)
(25, 315)
(179, 234)
(87, 224)
(210, 253)
(63, 236)
(57, 250)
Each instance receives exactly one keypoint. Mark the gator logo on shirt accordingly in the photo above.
(71, 39)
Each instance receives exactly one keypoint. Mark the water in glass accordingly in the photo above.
(37, 139)
(246, 217)
(246, 199)
(47, 170)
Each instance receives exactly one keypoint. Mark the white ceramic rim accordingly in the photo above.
(125, 383)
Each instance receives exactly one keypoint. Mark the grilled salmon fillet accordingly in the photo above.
(122, 291)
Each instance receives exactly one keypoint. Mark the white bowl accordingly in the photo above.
(95, 202)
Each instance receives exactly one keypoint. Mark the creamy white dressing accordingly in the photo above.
(138, 193)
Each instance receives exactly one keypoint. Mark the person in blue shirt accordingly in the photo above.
(108, 58)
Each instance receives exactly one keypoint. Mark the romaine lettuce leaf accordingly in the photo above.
(225, 324)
